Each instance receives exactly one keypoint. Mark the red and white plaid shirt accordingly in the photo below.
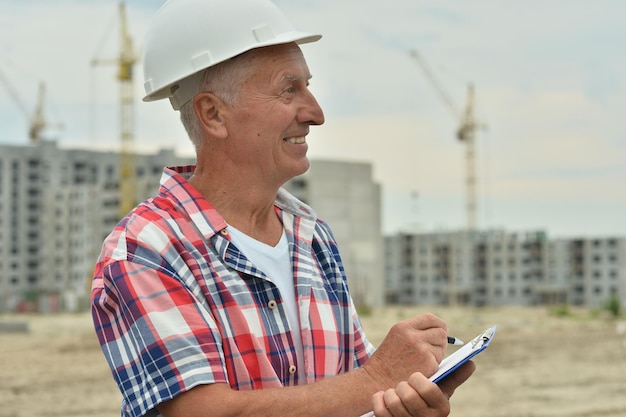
(175, 304)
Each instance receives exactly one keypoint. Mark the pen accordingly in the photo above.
(454, 341)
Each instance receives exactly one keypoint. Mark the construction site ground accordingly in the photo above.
(542, 363)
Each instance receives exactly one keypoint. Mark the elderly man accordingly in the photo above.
(224, 295)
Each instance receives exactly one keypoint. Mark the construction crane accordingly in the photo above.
(36, 120)
(466, 133)
(125, 62)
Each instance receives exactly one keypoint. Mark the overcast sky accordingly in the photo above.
(550, 79)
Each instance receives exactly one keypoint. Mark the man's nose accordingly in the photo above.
(311, 112)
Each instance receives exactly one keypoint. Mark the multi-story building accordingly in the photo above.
(344, 195)
(499, 268)
(593, 269)
(56, 207)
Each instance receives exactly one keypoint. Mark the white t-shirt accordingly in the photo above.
(275, 262)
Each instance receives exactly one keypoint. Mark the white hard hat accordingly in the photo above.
(187, 36)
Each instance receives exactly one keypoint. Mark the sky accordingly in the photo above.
(549, 79)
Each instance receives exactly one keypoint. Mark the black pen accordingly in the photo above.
(454, 341)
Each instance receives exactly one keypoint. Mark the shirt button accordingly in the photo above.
(292, 369)
(272, 304)
(224, 232)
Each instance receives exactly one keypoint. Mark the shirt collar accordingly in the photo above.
(174, 183)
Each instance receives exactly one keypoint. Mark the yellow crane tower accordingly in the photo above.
(125, 62)
(36, 120)
(466, 133)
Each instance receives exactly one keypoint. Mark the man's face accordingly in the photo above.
(268, 123)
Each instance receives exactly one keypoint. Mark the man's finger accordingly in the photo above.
(456, 378)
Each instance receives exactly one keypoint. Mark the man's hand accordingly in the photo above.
(419, 397)
(414, 345)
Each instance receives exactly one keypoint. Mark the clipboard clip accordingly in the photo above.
(483, 338)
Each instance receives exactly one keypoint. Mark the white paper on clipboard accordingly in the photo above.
(452, 362)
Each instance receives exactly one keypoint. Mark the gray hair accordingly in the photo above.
(223, 80)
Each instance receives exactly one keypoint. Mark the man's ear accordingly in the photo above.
(208, 108)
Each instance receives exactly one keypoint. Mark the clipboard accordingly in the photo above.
(472, 348)
(453, 361)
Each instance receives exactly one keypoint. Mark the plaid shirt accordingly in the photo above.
(175, 304)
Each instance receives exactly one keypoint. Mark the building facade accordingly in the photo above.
(56, 207)
(500, 268)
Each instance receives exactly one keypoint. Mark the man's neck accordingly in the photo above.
(246, 207)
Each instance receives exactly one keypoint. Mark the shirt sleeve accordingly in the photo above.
(155, 335)
(363, 348)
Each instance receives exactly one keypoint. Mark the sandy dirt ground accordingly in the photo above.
(539, 364)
